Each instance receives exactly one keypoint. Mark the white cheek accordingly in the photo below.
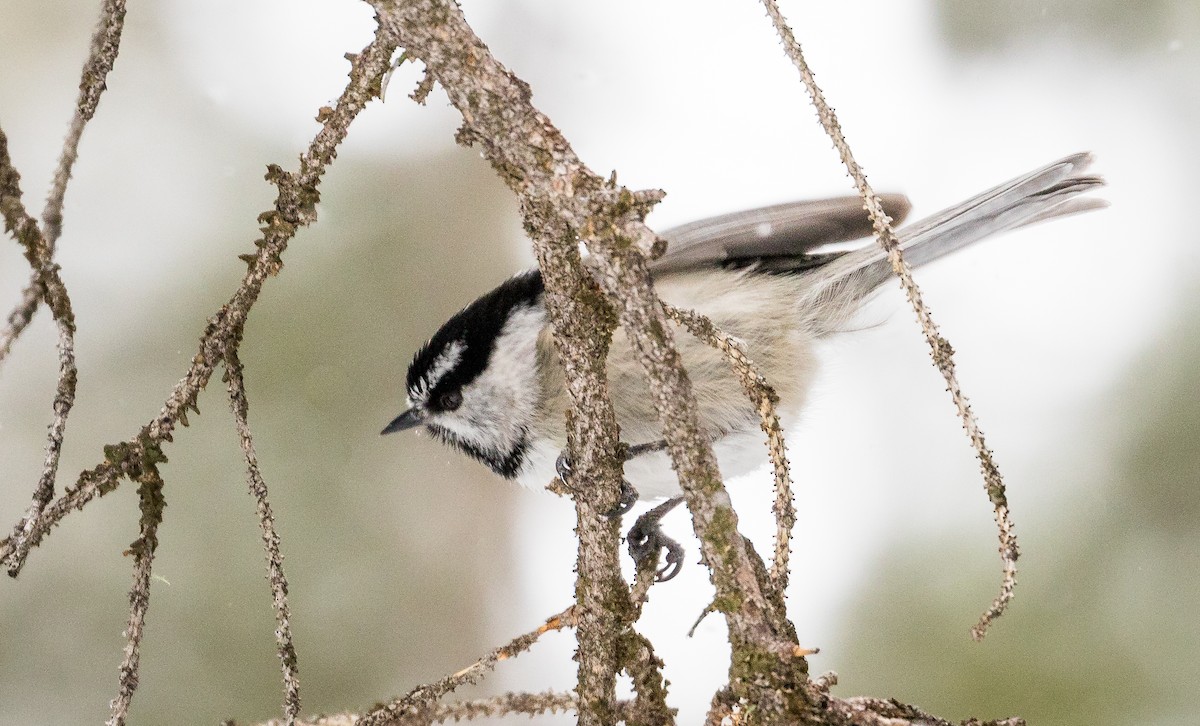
(499, 406)
(476, 420)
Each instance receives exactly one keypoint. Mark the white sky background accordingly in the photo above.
(698, 99)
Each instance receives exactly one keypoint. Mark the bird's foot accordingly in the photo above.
(626, 500)
(646, 538)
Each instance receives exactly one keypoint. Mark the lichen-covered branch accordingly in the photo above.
(585, 320)
(764, 398)
(527, 704)
(266, 520)
(939, 347)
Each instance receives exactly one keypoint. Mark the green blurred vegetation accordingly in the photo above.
(1103, 628)
(1118, 24)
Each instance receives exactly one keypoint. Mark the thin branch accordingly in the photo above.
(940, 350)
(37, 251)
(150, 486)
(764, 398)
(106, 43)
(21, 315)
(529, 704)
(637, 658)
(754, 619)
(103, 54)
(890, 712)
(295, 207)
(420, 701)
(266, 521)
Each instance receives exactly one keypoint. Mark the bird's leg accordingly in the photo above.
(646, 538)
(629, 495)
(635, 450)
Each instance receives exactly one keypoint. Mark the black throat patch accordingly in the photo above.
(507, 465)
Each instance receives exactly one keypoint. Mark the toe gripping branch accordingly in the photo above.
(646, 537)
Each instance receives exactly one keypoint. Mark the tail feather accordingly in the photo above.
(1046, 193)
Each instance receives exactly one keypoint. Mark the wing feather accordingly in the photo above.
(782, 236)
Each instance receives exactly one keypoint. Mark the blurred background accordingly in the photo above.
(1078, 343)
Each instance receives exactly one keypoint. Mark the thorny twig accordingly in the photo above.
(38, 252)
(151, 502)
(106, 42)
(421, 699)
(764, 398)
(940, 350)
(266, 520)
(137, 458)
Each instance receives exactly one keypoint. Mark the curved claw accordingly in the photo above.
(629, 497)
(646, 538)
(674, 560)
(562, 467)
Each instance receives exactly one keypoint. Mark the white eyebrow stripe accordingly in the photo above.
(442, 365)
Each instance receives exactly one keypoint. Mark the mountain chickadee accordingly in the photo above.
(489, 382)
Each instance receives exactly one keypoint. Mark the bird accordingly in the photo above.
(779, 279)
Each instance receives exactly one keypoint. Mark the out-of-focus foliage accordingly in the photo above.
(1123, 26)
(1104, 630)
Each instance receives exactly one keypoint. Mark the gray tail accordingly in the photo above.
(1052, 191)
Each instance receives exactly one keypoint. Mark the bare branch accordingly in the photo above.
(150, 486)
(764, 398)
(105, 44)
(295, 207)
(420, 701)
(266, 521)
(21, 315)
(38, 252)
(530, 704)
(940, 350)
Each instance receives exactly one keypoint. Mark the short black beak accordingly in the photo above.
(407, 420)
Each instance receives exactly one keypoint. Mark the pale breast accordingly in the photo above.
(764, 311)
